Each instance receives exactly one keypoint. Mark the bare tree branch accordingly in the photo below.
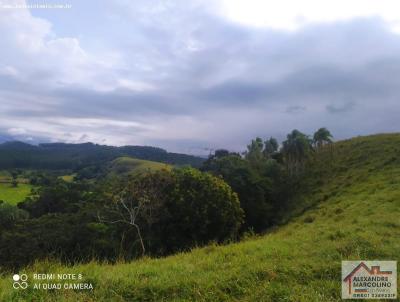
(133, 212)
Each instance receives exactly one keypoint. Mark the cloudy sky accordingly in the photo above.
(193, 75)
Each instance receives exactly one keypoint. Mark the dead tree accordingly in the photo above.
(127, 209)
(141, 203)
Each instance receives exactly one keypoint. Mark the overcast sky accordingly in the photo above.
(193, 75)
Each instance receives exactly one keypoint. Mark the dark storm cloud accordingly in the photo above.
(116, 104)
(340, 108)
(235, 93)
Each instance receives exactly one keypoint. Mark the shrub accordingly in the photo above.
(178, 209)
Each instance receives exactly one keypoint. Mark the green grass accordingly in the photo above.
(14, 195)
(129, 165)
(351, 212)
(68, 178)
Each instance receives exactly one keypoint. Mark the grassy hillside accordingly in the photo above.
(68, 177)
(129, 165)
(14, 195)
(352, 211)
(10, 194)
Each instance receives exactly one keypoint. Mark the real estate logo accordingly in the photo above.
(369, 279)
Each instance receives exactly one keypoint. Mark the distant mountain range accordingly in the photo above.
(55, 156)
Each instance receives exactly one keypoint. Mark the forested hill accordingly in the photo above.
(74, 156)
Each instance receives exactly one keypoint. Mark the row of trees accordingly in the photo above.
(298, 147)
(265, 175)
(295, 150)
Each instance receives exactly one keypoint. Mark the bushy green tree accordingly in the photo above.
(57, 197)
(10, 214)
(205, 206)
(176, 210)
(255, 188)
(254, 152)
(271, 147)
(14, 175)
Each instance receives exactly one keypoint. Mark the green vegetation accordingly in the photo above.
(347, 206)
(133, 166)
(75, 157)
(349, 163)
(155, 213)
(68, 178)
(14, 195)
(14, 186)
(4, 176)
(259, 182)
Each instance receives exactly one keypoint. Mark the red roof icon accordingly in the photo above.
(374, 270)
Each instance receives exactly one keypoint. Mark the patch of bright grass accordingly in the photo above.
(68, 178)
(14, 195)
(130, 165)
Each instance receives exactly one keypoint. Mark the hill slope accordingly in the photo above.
(353, 212)
(14, 195)
(129, 165)
(11, 194)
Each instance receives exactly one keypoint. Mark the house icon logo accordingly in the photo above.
(369, 279)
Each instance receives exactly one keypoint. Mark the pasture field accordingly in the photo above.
(14, 195)
(131, 166)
